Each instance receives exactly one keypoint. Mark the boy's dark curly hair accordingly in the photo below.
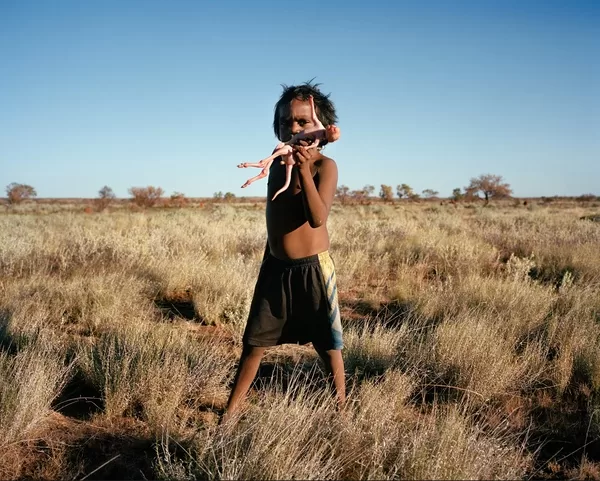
(325, 108)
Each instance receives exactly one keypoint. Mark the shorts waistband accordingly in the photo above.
(301, 261)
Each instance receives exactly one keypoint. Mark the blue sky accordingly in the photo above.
(176, 94)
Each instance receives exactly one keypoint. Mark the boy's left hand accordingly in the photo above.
(305, 157)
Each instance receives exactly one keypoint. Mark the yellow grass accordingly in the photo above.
(472, 341)
(30, 380)
(154, 373)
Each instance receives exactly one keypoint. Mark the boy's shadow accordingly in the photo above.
(285, 375)
(11, 343)
(172, 309)
(78, 399)
(390, 315)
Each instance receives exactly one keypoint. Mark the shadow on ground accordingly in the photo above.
(173, 309)
(79, 399)
(69, 449)
(389, 314)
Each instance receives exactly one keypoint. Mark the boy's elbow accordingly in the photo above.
(315, 222)
(318, 218)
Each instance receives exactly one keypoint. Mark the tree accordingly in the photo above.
(430, 193)
(492, 186)
(146, 196)
(457, 194)
(359, 195)
(229, 196)
(368, 190)
(218, 195)
(17, 193)
(342, 193)
(105, 197)
(386, 193)
(178, 199)
(404, 190)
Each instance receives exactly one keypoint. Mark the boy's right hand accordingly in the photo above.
(305, 157)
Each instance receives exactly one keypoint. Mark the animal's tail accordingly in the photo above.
(288, 178)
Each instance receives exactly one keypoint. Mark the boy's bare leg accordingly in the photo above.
(247, 369)
(334, 366)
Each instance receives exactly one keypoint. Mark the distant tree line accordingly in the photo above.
(143, 197)
(489, 185)
(485, 187)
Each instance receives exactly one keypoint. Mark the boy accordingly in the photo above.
(295, 298)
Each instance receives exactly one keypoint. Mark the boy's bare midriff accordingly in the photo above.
(289, 232)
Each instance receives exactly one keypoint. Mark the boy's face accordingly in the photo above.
(293, 118)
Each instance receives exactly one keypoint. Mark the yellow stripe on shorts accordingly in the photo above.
(329, 278)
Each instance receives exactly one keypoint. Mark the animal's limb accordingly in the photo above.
(282, 151)
(265, 164)
(263, 173)
(313, 113)
(260, 164)
(279, 150)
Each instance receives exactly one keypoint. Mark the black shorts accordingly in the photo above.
(295, 301)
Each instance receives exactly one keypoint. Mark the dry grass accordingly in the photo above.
(472, 345)
(30, 380)
(297, 434)
(157, 374)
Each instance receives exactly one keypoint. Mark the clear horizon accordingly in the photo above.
(176, 95)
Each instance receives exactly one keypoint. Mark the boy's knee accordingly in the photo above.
(253, 351)
(327, 352)
(331, 357)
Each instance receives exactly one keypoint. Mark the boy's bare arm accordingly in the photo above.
(317, 202)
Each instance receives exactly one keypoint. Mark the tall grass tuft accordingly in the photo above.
(155, 373)
(29, 381)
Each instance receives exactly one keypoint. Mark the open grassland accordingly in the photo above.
(472, 346)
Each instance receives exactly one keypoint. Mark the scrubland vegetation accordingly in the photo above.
(472, 345)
